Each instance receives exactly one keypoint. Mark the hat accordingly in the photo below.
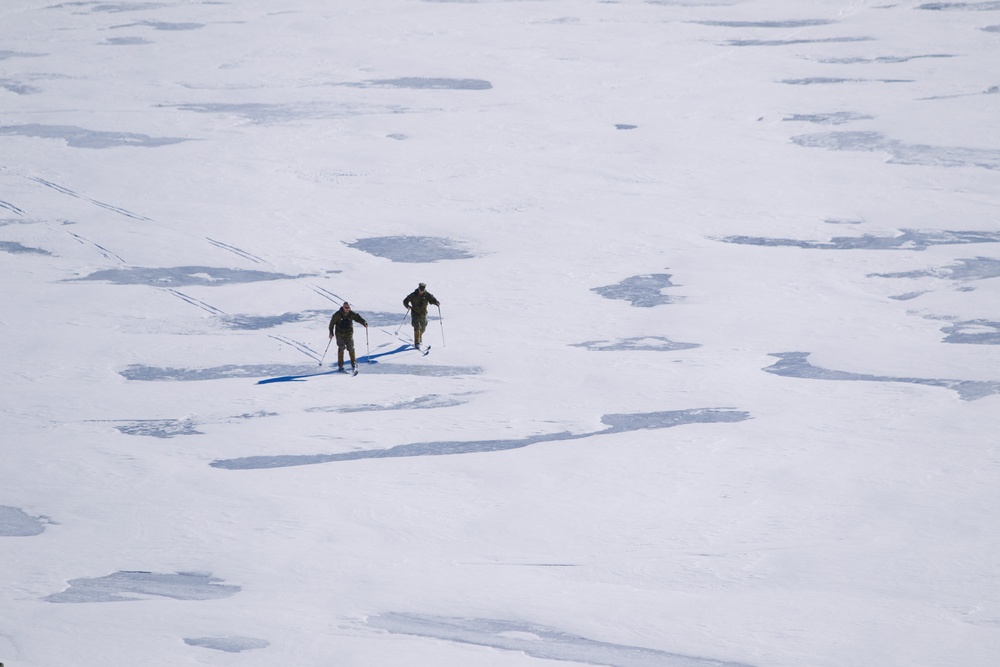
(422, 285)
(346, 304)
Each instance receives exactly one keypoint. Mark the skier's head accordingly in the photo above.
(422, 286)
(346, 306)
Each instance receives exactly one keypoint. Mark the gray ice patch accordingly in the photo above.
(791, 42)
(163, 25)
(183, 276)
(834, 118)
(909, 154)
(18, 88)
(269, 114)
(855, 60)
(160, 428)
(961, 6)
(796, 365)
(257, 322)
(126, 41)
(4, 55)
(283, 372)
(111, 7)
(973, 332)
(991, 28)
(413, 249)
(625, 126)
(132, 585)
(643, 343)
(14, 522)
(78, 137)
(908, 239)
(228, 644)
(813, 80)
(429, 402)
(794, 23)
(425, 83)
(536, 641)
(641, 291)
(617, 423)
(978, 268)
(16, 248)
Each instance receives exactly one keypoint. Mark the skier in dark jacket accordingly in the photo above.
(342, 326)
(416, 302)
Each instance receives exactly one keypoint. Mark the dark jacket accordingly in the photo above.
(417, 302)
(342, 322)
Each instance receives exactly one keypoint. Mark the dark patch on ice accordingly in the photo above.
(162, 25)
(257, 322)
(182, 276)
(833, 118)
(413, 249)
(14, 522)
(16, 248)
(617, 423)
(535, 641)
(835, 221)
(961, 6)
(4, 55)
(112, 7)
(160, 428)
(991, 28)
(228, 644)
(429, 402)
(813, 80)
(624, 126)
(973, 332)
(649, 343)
(78, 137)
(907, 297)
(908, 239)
(397, 136)
(641, 291)
(265, 113)
(796, 365)
(854, 60)
(126, 41)
(910, 154)
(978, 268)
(18, 88)
(800, 23)
(284, 372)
(126, 586)
(790, 42)
(424, 83)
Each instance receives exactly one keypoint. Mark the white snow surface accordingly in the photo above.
(714, 380)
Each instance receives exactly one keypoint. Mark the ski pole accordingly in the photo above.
(325, 351)
(368, 348)
(441, 320)
(401, 321)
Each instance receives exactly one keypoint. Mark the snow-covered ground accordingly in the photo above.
(714, 380)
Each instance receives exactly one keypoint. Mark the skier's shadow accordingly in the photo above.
(367, 359)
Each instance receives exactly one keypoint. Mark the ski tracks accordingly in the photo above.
(301, 347)
(11, 207)
(198, 303)
(101, 249)
(237, 251)
(66, 191)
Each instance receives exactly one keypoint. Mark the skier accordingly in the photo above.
(342, 326)
(416, 302)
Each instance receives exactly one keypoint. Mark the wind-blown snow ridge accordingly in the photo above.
(796, 364)
(617, 423)
(536, 641)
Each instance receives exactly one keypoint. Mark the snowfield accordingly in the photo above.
(715, 378)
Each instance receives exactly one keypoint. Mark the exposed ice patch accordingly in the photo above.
(790, 42)
(424, 83)
(78, 137)
(978, 268)
(14, 522)
(183, 276)
(813, 80)
(961, 6)
(111, 7)
(18, 88)
(535, 641)
(908, 239)
(617, 423)
(257, 322)
(163, 25)
(852, 60)
(160, 428)
(413, 249)
(267, 113)
(910, 154)
(228, 644)
(973, 332)
(127, 586)
(641, 291)
(429, 402)
(796, 365)
(646, 343)
(833, 118)
(792, 23)
(284, 372)
(15, 248)
(126, 41)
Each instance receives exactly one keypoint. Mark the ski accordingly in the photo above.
(425, 351)
(354, 371)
